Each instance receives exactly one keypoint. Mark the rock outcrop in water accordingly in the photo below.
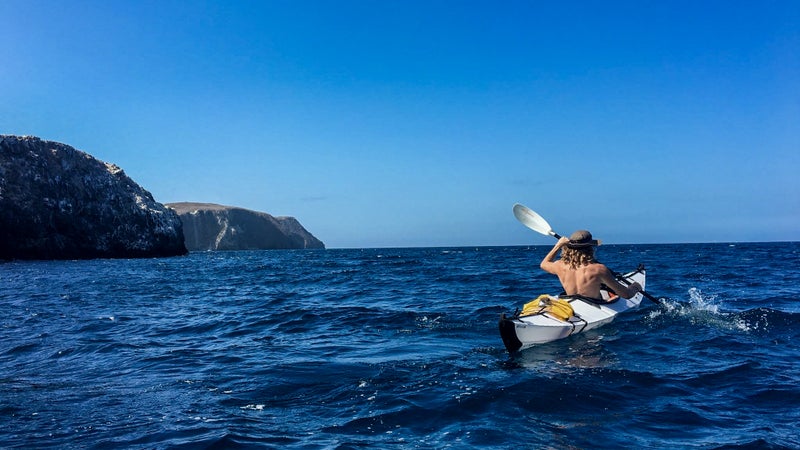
(208, 226)
(57, 202)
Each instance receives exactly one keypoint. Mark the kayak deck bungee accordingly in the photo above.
(540, 323)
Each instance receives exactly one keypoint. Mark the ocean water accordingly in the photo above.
(396, 348)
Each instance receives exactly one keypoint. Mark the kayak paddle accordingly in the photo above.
(535, 222)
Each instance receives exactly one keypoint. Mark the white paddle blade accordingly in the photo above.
(534, 221)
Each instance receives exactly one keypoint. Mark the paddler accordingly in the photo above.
(578, 271)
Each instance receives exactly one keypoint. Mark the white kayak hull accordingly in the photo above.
(519, 333)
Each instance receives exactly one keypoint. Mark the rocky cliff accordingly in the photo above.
(208, 226)
(57, 202)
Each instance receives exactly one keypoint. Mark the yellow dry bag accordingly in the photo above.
(556, 307)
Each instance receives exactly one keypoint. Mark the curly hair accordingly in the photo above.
(577, 257)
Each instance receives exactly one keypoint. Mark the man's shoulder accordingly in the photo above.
(597, 268)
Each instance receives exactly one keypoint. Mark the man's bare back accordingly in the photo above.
(586, 279)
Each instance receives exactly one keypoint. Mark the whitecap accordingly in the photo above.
(254, 407)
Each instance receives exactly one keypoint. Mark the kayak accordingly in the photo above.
(544, 320)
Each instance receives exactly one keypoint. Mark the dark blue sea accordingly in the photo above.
(395, 348)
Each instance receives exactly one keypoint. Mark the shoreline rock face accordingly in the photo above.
(208, 226)
(57, 202)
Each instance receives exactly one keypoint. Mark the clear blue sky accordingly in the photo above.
(405, 123)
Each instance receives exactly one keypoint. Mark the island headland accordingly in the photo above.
(57, 202)
(208, 226)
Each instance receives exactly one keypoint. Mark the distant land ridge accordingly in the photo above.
(57, 202)
(209, 226)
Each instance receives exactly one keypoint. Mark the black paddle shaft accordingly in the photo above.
(646, 295)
